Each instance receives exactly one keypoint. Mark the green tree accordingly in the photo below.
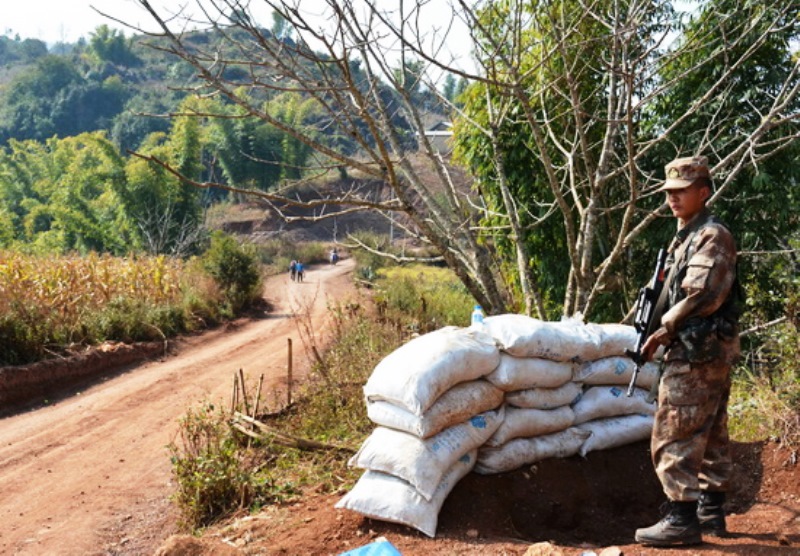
(561, 129)
(760, 203)
(110, 45)
(53, 98)
(61, 195)
(160, 199)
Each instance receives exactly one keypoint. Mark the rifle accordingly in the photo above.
(647, 316)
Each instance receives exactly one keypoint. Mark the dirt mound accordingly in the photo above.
(575, 504)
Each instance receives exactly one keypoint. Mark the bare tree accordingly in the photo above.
(579, 77)
(163, 233)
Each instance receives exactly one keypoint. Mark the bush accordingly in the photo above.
(766, 390)
(235, 269)
(216, 474)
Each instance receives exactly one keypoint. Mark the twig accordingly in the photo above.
(760, 327)
(323, 369)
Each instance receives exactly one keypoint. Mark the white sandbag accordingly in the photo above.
(389, 498)
(598, 402)
(545, 398)
(523, 451)
(518, 373)
(423, 462)
(614, 339)
(523, 336)
(418, 372)
(615, 370)
(453, 407)
(612, 432)
(523, 422)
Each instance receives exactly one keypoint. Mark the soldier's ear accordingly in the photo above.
(705, 187)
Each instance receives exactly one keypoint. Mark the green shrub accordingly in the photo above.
(235, 269)
(765, 401)
(216, 474)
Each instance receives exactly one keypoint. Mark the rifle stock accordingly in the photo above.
(647, 316)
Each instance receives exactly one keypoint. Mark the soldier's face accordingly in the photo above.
(687, 202)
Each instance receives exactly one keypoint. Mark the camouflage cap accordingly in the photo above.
(682, 172)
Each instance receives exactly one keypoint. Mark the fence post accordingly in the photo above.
(289, 375)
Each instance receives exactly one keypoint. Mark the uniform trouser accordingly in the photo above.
(689, 444)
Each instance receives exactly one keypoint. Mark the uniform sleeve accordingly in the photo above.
(709, 277)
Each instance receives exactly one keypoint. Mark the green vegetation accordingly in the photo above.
(53, 304)
(216, 473)
(233, 267)
(428, 298)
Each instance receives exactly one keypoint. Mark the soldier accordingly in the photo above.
(700, 332)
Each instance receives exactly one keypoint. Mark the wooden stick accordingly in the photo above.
(235, 393)
(289, 374)
(258, 396)
(284, 439)
(244, 392)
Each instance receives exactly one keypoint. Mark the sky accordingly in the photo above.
(54, 21)
(67, 20)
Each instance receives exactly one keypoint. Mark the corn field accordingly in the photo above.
(52, 303)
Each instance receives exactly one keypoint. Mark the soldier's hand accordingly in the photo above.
(658, 338)
(649, 349)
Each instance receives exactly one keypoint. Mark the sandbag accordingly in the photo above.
(453, 407)
(523, 336)
(423, 462)
(545, 398)
(598, 402)
(389, 498)
(418, 372)
(614, 339)
(615, 371)
(615, 431)
(522, 422)
(523, 451)
(518, 373)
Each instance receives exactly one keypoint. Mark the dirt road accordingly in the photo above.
(91, 474)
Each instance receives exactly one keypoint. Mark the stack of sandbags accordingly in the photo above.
(556, 406)
(516, 392)
(433, 410)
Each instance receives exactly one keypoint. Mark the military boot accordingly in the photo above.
(679, 526)
(711, 514)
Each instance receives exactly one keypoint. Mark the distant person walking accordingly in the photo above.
(293, 270)
(334, 257)
(299, 271)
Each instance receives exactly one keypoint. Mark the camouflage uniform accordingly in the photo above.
(689, 443)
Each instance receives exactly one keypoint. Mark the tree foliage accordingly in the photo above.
(61, 196)
(571, 113)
